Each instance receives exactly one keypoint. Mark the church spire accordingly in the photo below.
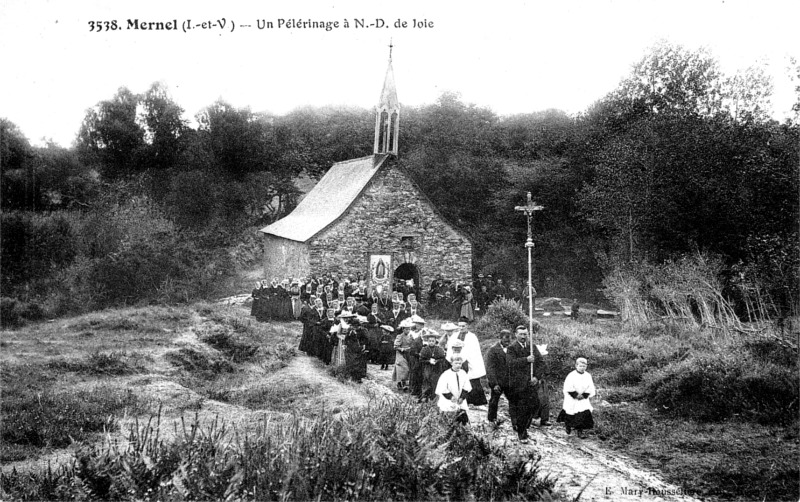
(387, 114)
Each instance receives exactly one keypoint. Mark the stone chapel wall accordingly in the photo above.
(390, 209)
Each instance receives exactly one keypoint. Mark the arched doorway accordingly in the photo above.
(404, 273)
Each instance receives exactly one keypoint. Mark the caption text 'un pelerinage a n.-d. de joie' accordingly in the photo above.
(229, 25)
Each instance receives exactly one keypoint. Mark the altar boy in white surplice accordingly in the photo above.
(452, 389)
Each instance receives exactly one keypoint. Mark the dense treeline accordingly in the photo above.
(678, 160)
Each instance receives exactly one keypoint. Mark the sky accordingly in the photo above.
(513, 56)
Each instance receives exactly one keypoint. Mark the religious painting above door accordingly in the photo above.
(380, 270)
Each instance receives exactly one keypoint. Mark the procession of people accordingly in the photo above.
(348, 326)
(282, 299)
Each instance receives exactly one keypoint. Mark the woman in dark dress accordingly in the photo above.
(355, 353)
(386, 344)
(373, 327)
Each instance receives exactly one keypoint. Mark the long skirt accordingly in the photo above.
(338, 357)
(374, 347)
(321, 344)
(414, 376)
(306, 339)
(581, 420)
(297, 304)
(400, 373)
(355, 363)
(476, 396)
(255, 307)
(466, 311)
(386, 352)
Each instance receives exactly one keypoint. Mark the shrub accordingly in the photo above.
(15, 312)
(715, 387)
(501, 314)
(33, 246)
(388, 451)
(226, 342)
(50, 419)
(97, 363)
(198, 363)
(772, 350)
(285, 353)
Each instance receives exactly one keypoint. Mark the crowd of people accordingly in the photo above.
(471, 300)
(347, 327)
(283, 299)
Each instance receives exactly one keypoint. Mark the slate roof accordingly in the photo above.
(328, 200)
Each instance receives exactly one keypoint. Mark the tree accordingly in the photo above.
(164, 127)
(111, 135)
(622, 196)
(672, 79)
(17, 180)
(238, 139)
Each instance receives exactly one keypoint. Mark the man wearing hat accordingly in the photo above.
(473, 359)
(414, 366)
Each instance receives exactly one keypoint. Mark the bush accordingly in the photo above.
(33, 246)
(14, 312)
(714, 388)
(772, 350)
(49, 419)
(389, 451)
(226, 342)
(198, 363)
(501, 314)
(97, 363)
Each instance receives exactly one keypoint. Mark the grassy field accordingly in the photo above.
(718, 416)
(715, 415)
(205, 403)
(68, 381)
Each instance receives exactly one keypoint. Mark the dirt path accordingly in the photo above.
(576, 464)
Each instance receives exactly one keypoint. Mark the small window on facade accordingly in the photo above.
(407, 242)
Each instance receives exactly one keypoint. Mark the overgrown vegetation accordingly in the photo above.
(389, 451)
(37, 414)
(700, 408)
(501, 314)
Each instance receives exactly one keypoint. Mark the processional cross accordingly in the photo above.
(528, 209)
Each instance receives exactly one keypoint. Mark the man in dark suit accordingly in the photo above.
(497, 373)
(522, 398)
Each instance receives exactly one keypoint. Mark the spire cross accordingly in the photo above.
(390, 49)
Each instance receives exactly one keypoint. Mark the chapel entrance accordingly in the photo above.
(402, 275)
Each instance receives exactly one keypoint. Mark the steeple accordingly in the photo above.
(387, 114)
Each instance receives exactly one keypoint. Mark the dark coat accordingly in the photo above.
(519, 369)
(497, 367)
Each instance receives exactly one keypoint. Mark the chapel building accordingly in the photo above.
(367, 216)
